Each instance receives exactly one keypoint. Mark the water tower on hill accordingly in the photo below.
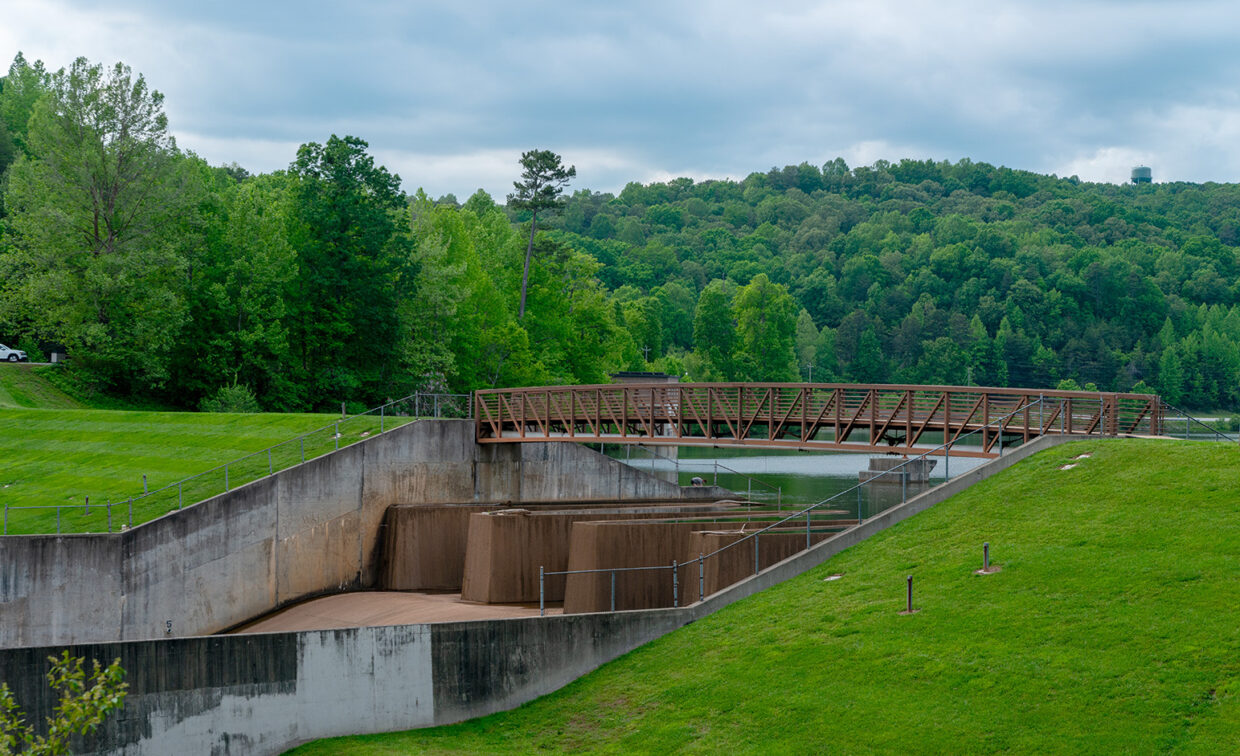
(1142, 175)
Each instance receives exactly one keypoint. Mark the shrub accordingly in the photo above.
(234, 398)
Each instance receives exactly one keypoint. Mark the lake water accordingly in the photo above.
(790, 479)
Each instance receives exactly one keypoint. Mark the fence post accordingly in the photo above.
(381, 412)
(57, 519)
(947, 463)
(179, 499)
(613, 590)
(675, 585)
(342, 411)
(779, 498)
(302, 442)
(807, 529)
(6, 518)
(269, 468)
(225, 477)
(436, 406)
(756, 537)
(337, 438)
(131, 511)
(144, 488)
(904, 485)
(542, 600)
(701, 579)
(88, 502)
(109, 517)
(1041, 416)
(716, 473)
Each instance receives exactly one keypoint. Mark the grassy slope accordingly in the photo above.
(61, 456)
(1111, 628)
(27, 386)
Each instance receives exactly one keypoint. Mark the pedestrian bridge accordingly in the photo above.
(975, 421)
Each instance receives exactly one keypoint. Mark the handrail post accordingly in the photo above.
(337, 438)
(301, 442)
(542, 599)
(904, 483)
(675, 585)
(131, 511)
(225, 477)
(179, 497)
(947, 462)
(57, 519)
(613, 590)
(701, 579)
(807, 529)
(756, 537)
(381, 411)
(270, 470)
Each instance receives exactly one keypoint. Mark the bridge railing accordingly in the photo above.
(797, 414)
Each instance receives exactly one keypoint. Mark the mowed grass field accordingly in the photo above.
(62, 455)
(1111, 628)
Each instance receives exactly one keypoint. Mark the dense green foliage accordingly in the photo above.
(925, 272)
(170, 279)
(1109, 629)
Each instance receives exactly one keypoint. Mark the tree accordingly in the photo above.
(81, 709)
(96, 210)
(351, 227)
(766, 321)
(543, 178)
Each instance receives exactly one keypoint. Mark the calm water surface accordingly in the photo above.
(791, 479)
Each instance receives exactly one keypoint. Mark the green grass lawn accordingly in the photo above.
(27, 386)
(61, 456)
(1111, 628)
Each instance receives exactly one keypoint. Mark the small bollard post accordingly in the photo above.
(701, 579)
(910, 595)
(613, 590)
(985, 556)
(675, 585)
(270, 469)
(145, 490)
(542, 598)
(226, 476)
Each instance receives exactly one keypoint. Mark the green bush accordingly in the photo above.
(234, 398)
(32, 350)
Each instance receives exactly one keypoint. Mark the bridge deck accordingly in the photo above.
(807, 416)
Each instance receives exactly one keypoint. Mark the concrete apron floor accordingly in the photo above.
(371, 608)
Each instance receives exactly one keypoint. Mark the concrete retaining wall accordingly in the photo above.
(263, 693)
(308, 530)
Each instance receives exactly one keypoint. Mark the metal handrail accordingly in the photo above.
(1190, 419)
(946, 447)
(300, 440)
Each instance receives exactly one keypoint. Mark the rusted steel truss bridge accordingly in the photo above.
(827, 416)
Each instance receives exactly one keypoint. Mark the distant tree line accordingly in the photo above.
(170, 278)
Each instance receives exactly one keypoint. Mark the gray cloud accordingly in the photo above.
(448, 94)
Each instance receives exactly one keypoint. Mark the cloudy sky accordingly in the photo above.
(449, 93)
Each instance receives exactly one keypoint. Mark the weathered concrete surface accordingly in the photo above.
(308, 530)
(264, 693)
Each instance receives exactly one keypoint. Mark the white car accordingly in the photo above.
(12, 355)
